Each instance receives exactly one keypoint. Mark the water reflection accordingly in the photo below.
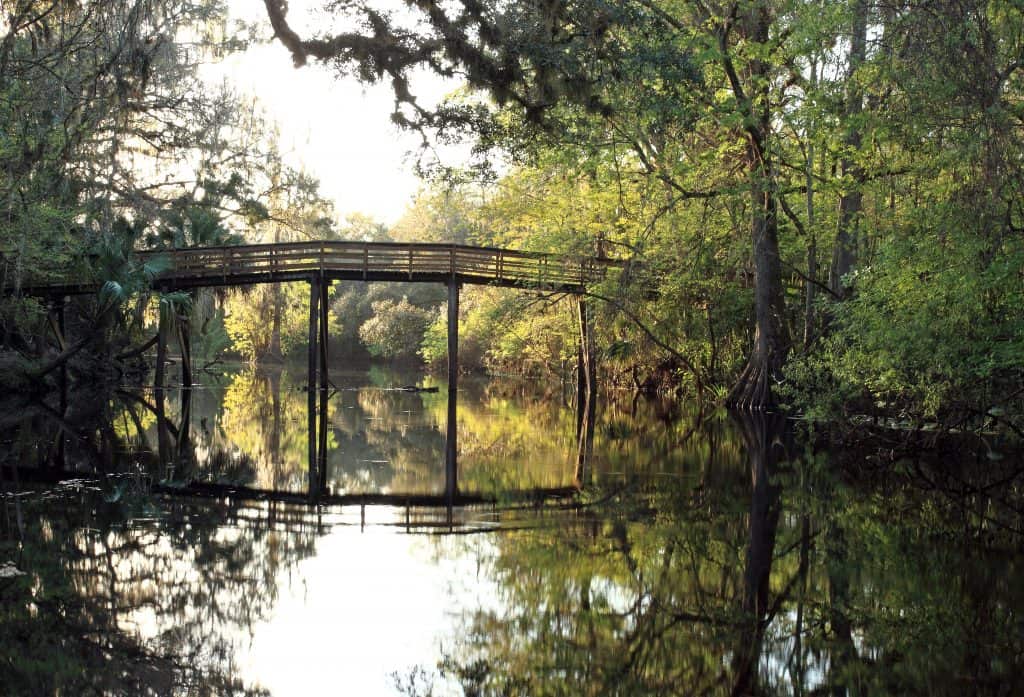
(113, 601)
(708, 554)
(781, 579)
(249, 429)
(380, 438)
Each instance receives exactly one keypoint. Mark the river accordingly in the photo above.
(172, 549)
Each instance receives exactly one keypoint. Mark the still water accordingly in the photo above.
(659, 552)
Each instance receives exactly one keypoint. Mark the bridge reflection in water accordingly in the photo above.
(322, 263)
(245, 439)
(175, 449)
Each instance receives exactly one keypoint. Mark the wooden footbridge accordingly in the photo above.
(321, 263)
(354, 261)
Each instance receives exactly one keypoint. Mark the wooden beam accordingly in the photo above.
(581, 388)
(311, 383)
(161, 347)
(55, 317)
(325, 382)
(159, 393)
(586, 347)
(451, 449)
(63, 404)
(586, 396)
(185, 344)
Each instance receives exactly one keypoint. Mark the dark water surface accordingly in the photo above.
(699, 554)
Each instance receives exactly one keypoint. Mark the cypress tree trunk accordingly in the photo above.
(753, 389)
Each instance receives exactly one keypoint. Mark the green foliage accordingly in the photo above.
(441, 214)
(884, 171)
(113, 143)
(395, 329)
(933, 330)
(251, 317)
(434, 345)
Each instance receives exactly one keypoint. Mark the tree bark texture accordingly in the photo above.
(753, 389)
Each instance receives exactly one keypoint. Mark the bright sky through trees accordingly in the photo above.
(337, 129)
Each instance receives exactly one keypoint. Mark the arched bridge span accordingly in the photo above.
(237, 265)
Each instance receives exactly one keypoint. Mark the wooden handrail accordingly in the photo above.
(426, 261)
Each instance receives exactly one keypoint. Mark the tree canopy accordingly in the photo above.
(819, 200)
(810, 182)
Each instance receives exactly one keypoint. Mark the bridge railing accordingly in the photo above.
(255, 263)
(373, 259)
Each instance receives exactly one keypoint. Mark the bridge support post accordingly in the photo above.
(183, 452)
(451, 439)
(586, 367)
(185, 344)
(324, 287)
(161, 348)
(183, 324)
(159, 380)
(581, 387)
(61, 310)
(311, 383)
(586, 395)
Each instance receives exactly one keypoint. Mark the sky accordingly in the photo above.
(334, 128)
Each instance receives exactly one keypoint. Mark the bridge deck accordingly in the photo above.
(366, 261)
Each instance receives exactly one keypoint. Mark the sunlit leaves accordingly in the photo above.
(394, 329)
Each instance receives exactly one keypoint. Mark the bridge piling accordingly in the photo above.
(586, 367)
(586, 395)
(161, 348)
(185, 344)
(324, 288)
(451, 438)
(311, 383)
(163, 436)
(60, 312)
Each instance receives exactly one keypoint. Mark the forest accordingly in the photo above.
(801, 472)
(818, 203)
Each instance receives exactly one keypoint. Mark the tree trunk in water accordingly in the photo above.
(753, 389)
(60, 360)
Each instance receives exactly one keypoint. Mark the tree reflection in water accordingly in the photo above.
(134, 597)
(794, 573)
(707, 555)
